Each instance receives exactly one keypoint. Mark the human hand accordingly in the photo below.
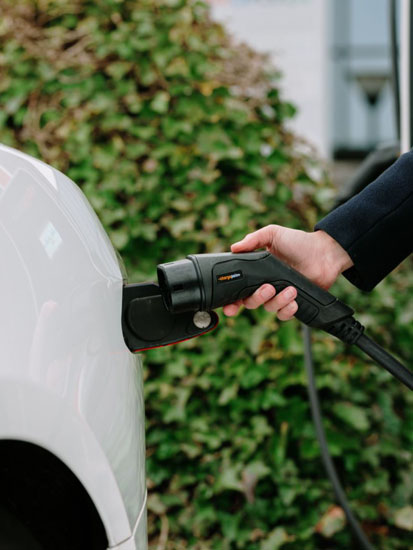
(316, 255)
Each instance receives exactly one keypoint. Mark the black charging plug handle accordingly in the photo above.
(210, 281)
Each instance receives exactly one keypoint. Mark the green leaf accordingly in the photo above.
(277, 538)
(160, 102)
(155, 504)
(119, 238)
(229, 479)
(403, 518)
(228, 393)
(332, 522)
(257, 469)
(353, 415)
(118, 69)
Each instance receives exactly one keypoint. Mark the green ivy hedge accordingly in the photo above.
(179, 139)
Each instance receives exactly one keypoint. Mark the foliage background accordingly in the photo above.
(179, 139)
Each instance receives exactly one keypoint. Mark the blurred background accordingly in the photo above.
(335, 59)
(184, 135)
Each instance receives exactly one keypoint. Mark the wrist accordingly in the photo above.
(334, 253)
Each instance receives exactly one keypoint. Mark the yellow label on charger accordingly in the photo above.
(225, 278)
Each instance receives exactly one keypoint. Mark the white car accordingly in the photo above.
(72, 449)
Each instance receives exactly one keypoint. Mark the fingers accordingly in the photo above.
(259, 239)
(288, 312)
(282, 300)
(260, 297)
(283, 304)
(232, 309)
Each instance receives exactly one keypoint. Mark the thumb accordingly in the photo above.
(259, 239)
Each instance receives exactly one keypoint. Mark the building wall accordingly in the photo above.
(294, 33)
(321, 46)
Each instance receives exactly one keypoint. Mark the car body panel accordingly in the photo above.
(77, 390)
(139, 538)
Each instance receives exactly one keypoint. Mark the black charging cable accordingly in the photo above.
(321, 436)
(392, 365)
(351, 332)
(380, 356)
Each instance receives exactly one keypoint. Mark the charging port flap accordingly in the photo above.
(146, 323)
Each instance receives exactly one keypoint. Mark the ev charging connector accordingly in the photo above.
(210, 281)
(182, 305)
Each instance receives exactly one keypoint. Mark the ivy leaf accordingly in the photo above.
(228, 393)
(119, 238)
(353, 415)
(403, 518)
(160, 102)
(276, 539)
(229, 479)
(332, 522)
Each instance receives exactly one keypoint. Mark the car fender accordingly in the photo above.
(30, 413)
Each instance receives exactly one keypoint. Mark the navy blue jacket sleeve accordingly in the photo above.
(376, 226)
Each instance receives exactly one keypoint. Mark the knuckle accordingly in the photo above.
(287, 296)
(273, 305)
(258, 298)
(288, 312)
(252, 302)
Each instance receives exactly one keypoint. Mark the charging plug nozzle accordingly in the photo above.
(180, 286)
